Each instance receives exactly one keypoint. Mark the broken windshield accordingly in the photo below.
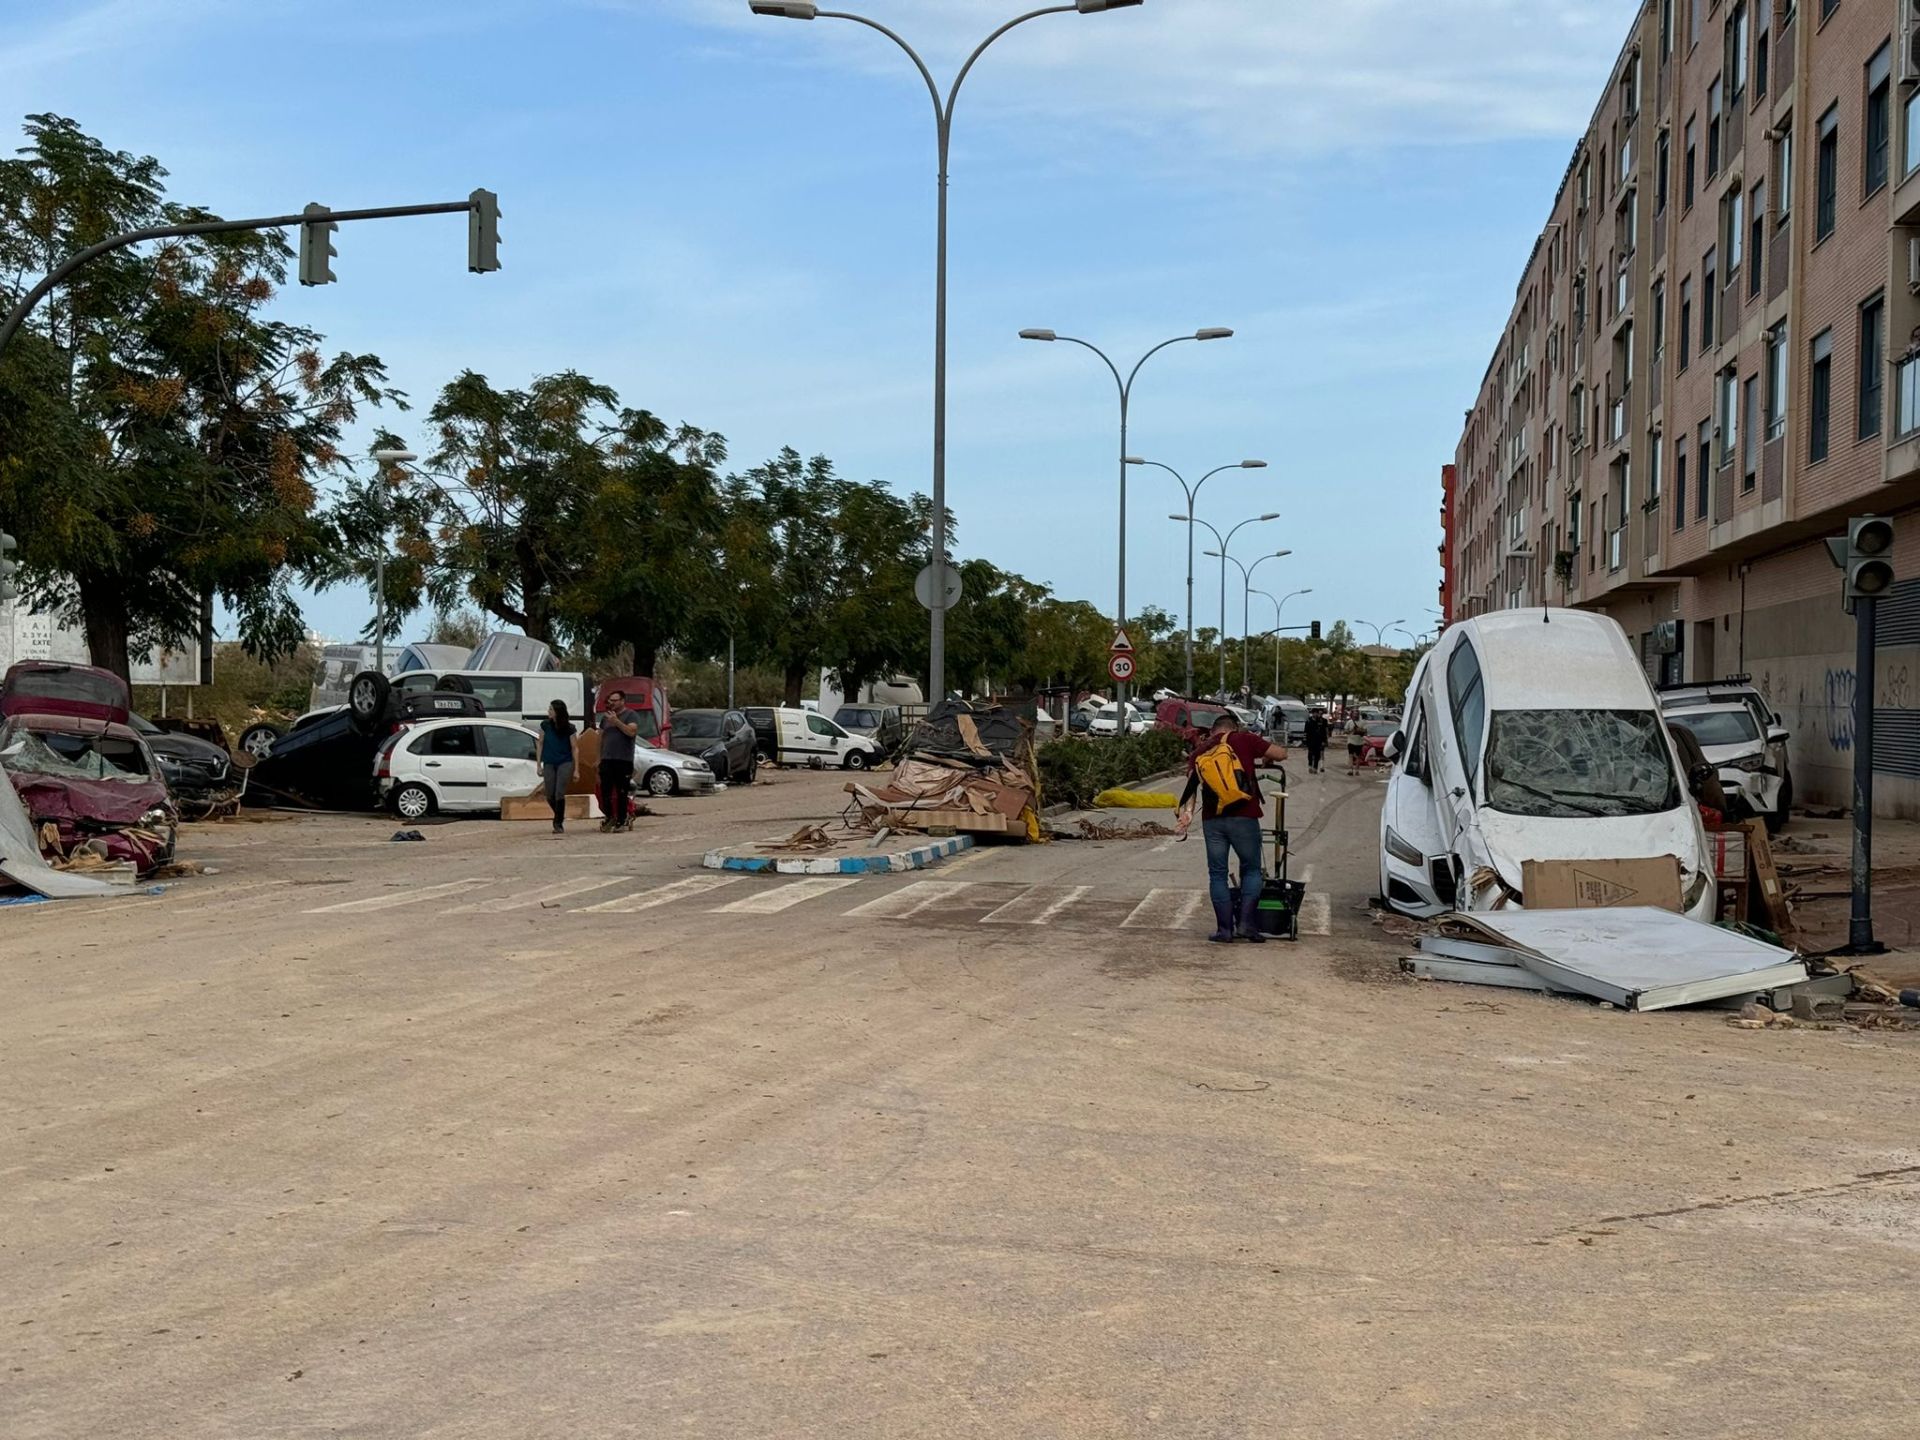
(70, 757)
(1561, 764)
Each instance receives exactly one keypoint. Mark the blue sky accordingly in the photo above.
(730, 219)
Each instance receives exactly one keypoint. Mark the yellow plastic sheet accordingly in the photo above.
(1135, 800)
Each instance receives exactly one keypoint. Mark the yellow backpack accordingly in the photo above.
(1219, 770)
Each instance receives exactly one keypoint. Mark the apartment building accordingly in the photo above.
(1713, 360)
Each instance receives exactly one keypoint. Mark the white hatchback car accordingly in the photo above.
(455, 766)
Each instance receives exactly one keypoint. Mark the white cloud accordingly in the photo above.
(1260, 76)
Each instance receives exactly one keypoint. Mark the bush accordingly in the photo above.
(1075, 770)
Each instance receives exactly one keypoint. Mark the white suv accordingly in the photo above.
(1771, 735)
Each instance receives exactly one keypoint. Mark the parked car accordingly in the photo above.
(1190, 718)
(660, 771)
(882, 724)
(806, 737)
(1080, 722)
(1741, 690)
(724, 739)
(516, 654)
(1373, 747)
(69, 749)
(1736, 747)
(1287, 721)
(455, 766)
(1525, 740)
(198, 773)
(1106, 720)
(766, 734)
(520, 697)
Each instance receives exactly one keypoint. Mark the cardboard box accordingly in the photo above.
(535, 807)
(1599, 884)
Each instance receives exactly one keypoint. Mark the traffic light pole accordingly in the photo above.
(33, 297)
(1860, 939)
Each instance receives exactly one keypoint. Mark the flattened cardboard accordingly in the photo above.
(1601, 884)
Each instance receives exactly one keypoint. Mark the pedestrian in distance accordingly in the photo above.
(618, 727)
(1221, 778)
(1356, 744)
(559, 744)
(1316, 738)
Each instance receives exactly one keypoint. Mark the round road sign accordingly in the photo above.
(1120, 667)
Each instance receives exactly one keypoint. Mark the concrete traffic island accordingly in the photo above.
(851, 855)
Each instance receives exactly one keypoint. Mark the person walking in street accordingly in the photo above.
(1356, 744)
(618, 727)
(1221, 776)
(1316, 738)
(558, 743)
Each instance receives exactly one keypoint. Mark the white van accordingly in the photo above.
(1531, 735)
(521, 697)
(805, 737)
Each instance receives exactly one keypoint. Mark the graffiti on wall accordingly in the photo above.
(1840, 686)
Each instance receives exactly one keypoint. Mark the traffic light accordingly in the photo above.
(8, 569)
(1313, 631)
(316, 246)
(483, 232)
(1869, 557)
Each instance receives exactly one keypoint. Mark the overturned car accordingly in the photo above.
(1531, 735)
(86, 778)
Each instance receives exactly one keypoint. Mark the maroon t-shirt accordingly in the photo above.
(1249, 749)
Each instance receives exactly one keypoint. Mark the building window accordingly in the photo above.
(1826, 171)
(1736, 57)
(1878, 122)
(1662, 163)
(1713, 127)
(1655, 457)
(1820, 397)
(1756, 237)
(1910, 126)
(1873, 367)
(1777, 381)
(1783, 171)
(1728, 407)
(1703, 456)
(1827, 7)
(1709, 288)
(1733, 230)
(1750, 437)
(1657, 303)
(1686, 318)
(1666, 27)
(1680, 484)
(1696, 21)
(1687, 163)
(1762, 47)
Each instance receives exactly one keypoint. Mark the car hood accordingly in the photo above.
(1514, 839)
(661, 755)
(1726, 754)
(184, 747)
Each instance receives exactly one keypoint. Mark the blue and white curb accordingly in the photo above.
(918, 858)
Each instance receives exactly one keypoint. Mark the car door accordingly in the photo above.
(1410, 834)
(824, 738)
(453, 765)
(512, 757)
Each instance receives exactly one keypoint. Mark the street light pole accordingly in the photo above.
(395, 459)
(1279, 605)
(1246, 618)
(1214, 332)
(1379, 631)
(1225, 540)
(943, 122)
(1193, 494)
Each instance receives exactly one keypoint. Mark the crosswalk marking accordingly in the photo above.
(400, 897)
(1036, 907)
(1164, 910)
(911, 899)
(562, 891)
(660, 895)
(772, 902)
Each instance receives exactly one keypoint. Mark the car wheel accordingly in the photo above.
(660, 782)
(857, 760)
(367, 699)
(412, 802)
(454, 685)
(257, 740)
(753, 768)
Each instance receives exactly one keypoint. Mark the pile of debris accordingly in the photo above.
(964, 768)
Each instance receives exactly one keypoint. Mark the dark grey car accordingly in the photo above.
(881, 724)
(725, 739)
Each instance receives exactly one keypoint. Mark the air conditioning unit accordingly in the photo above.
(1910, 42)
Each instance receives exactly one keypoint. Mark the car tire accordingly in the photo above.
(753, 768)
(367, 699)
(412, 801)
(258, 740)
(857, 760)
(660, 782)
(454, 685)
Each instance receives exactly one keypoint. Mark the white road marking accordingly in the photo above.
(910, 899)
(1316, 915)
(1164, 910)
(1036, 907)
(660, 895)
(565, 889)
(399, 898)
(772, 902)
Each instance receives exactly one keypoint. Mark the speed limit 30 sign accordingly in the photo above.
(1120, 667)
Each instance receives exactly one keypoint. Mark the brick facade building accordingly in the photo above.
(1713, 359)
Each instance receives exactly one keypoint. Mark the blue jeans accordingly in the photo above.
(1240, 835)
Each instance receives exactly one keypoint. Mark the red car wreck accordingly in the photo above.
(86, 779)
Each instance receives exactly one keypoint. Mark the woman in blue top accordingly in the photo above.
(557, 741)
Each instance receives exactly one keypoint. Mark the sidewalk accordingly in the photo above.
(1814, 856)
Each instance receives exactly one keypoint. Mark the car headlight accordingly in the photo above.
(1749, 762)
(1697, 889)
(1401, 850)
(157, 817)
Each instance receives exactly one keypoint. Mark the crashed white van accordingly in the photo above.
(1531, 735)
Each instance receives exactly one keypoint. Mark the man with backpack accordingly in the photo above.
(1221, 774)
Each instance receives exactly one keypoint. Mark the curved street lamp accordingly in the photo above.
(1193, 494)
(943, 123)
(1278, 606)
(1213, 332)
(1379, 631)
(1225, 540)
(1246, 608)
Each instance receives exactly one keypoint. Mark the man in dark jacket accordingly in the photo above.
(1316, 738)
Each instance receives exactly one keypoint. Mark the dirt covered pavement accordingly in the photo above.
(502, 1136)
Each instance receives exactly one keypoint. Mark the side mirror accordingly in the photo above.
(1396, 742)
(1779, 734)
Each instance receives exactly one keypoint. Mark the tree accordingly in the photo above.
(170, 437)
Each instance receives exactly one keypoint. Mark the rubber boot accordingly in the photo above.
(1222, 923)
(1250, 916)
